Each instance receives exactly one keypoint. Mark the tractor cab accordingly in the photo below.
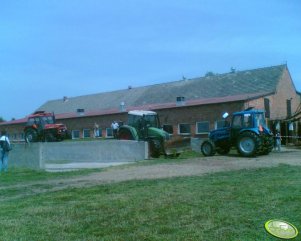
(253, 120)
(142, 121)
(40, 120)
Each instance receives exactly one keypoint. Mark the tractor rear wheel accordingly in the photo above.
(248, 144)
(31, 135)
(208, 148)
(268, 145)
(125, 134)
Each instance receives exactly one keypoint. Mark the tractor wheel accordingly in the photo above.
(248, 144)
(155, 148)
(208, 148)
(31, 135)
(268, 145)
(223, 150)
(124, 134)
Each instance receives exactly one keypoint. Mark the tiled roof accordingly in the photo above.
(199, 90)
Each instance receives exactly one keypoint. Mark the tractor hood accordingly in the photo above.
(153, 131)
(221, 133)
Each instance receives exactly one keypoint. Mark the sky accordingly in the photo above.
(55, 48)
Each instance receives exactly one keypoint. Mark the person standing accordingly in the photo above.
(5, 148)
(115, 127)
(96, 130)
(278, 141)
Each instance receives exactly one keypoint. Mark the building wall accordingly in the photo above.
(189, 115)
(87, 123)
(278, 101)
(15, 131)
(285, 91)
(193, 114)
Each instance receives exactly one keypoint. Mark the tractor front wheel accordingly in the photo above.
(208, 148)
(247, 144)
(31, 135)
(155, 148)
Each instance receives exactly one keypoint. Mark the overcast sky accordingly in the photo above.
(55, 48)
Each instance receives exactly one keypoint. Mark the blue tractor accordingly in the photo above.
(247, 132)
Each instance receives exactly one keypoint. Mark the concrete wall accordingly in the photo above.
(37, 155)
(24, 155)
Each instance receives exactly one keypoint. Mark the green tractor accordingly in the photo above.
(145, 126)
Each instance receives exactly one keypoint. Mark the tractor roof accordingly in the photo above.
(142, 112)
(39, 114)
(249, 112)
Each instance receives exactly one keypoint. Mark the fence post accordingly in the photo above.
(41, 156)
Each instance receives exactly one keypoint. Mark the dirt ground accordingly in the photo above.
(189, 167)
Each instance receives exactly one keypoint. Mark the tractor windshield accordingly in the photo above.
(259, 119)
(139, 121)
(48, 120)
(151, 120)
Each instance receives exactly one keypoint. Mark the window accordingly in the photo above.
(86, 133)
(221, 124)
(109, 132)
(289, 107)
(184, 129)
(75, 134)
(168, 128)
(247, 120)
(202, 127)
(236, 123)
(267, 107)
(259, 120)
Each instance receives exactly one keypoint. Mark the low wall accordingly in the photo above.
(196, 144)
(37, 155)
(24, 155)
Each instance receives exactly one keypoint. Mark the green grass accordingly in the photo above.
(225, 206)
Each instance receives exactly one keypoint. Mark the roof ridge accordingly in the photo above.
(171, 82)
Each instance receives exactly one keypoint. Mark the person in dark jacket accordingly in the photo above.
(5, 148)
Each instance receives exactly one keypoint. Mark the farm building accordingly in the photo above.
(190, 107)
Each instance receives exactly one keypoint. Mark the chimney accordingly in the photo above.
(122, 107)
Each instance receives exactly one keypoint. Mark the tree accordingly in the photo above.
(1, 119)
(209, 74)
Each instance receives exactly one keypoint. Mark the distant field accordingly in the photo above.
(223, 206)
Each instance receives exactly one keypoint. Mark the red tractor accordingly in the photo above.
(41, 126)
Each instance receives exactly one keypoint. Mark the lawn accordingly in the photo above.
(223, 206)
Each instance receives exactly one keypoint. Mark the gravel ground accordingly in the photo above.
(189, 167)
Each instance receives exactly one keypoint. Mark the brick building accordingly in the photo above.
(186, 107)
